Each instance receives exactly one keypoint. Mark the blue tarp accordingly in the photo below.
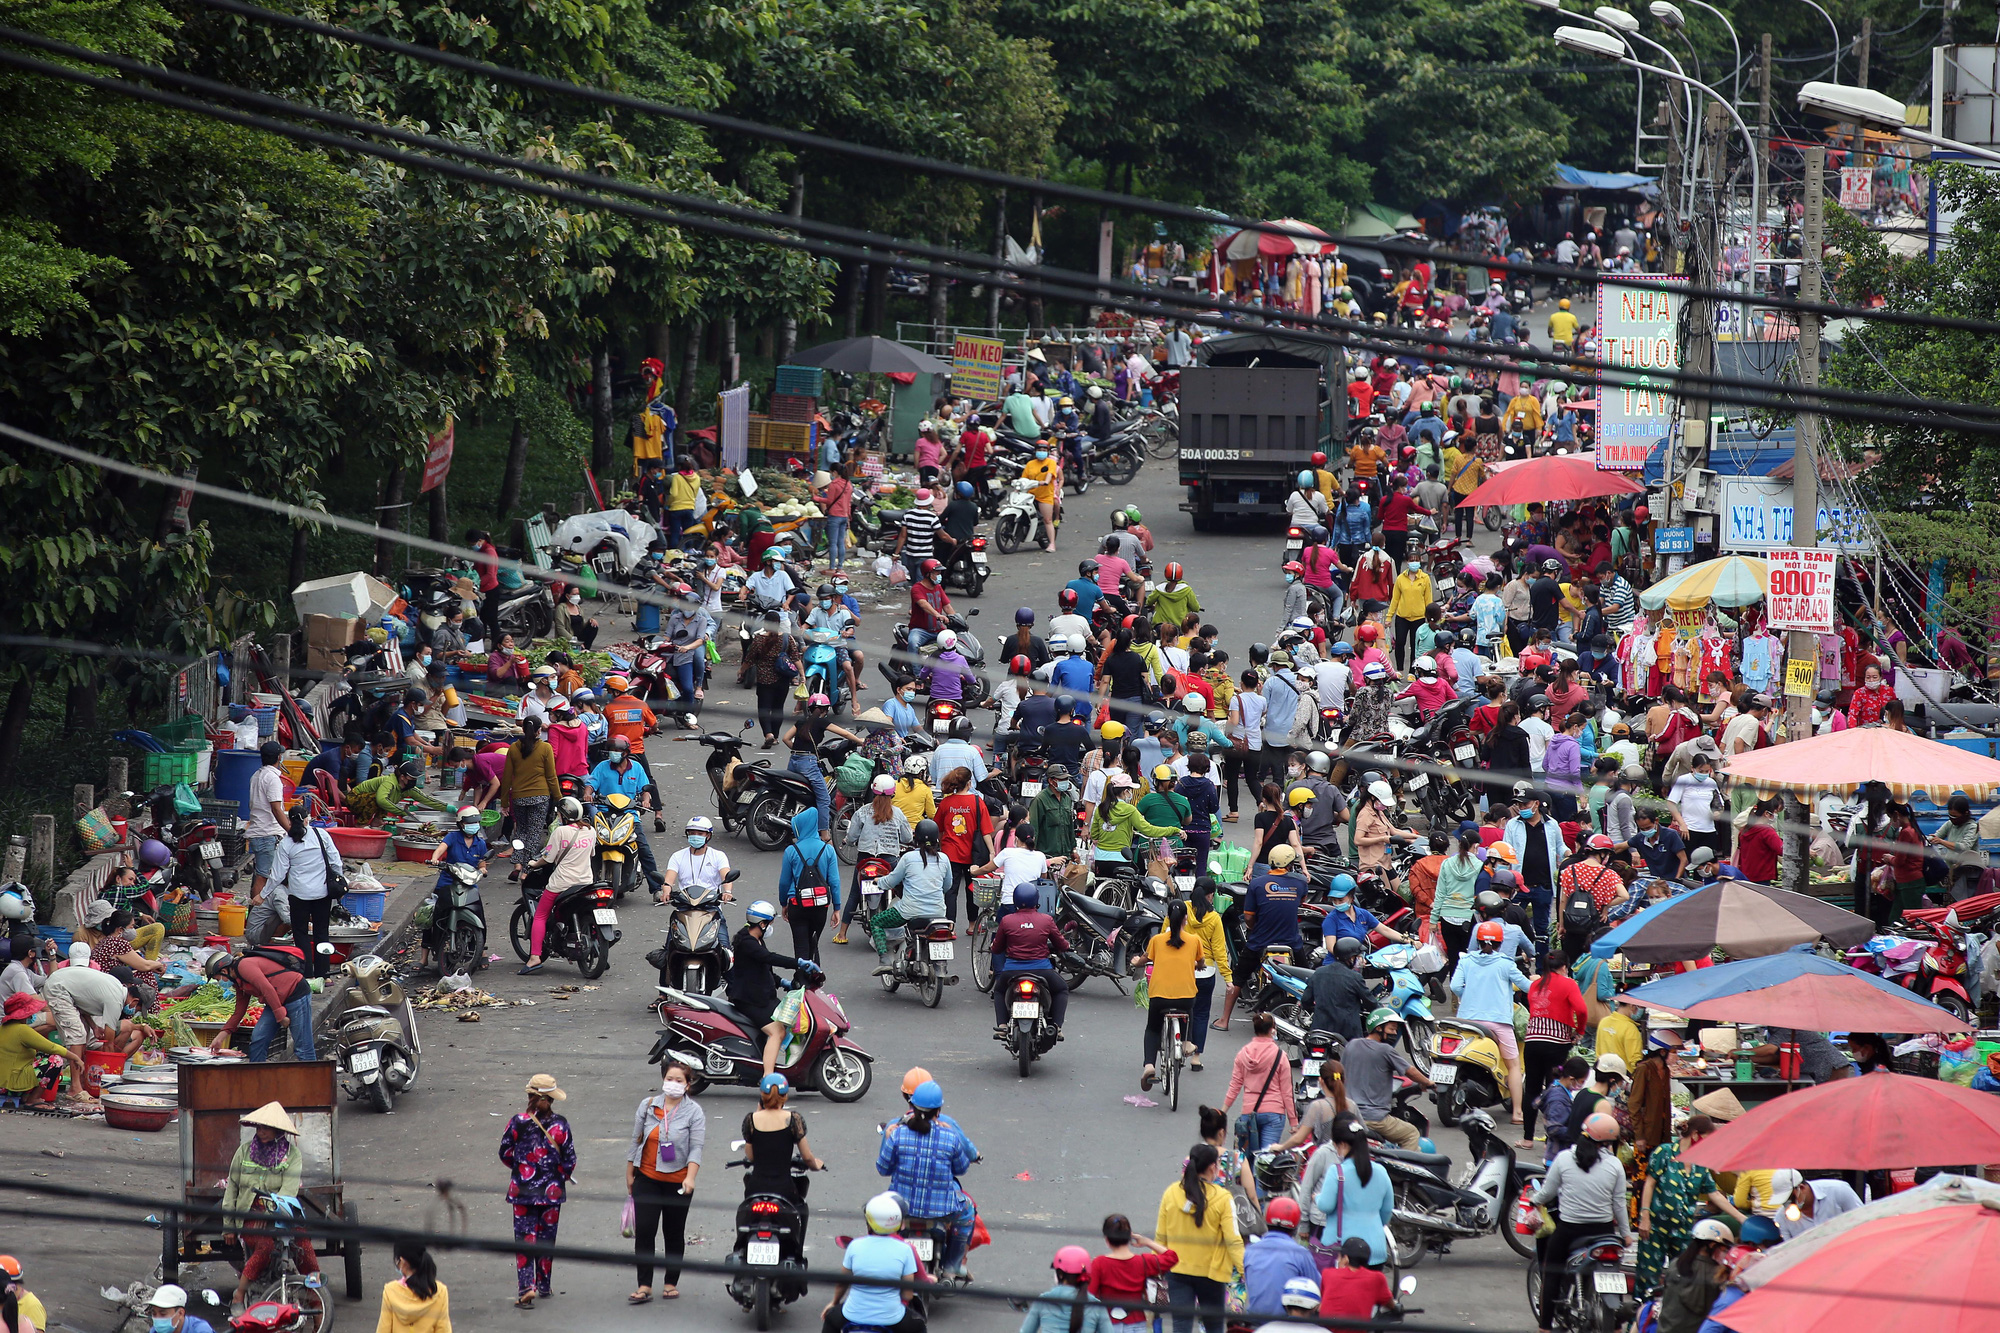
(1599, 180)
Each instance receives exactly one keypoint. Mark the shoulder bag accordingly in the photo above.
(336, 875)
(1246, 1123)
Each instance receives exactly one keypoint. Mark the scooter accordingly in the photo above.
(1934, 968)
(582, 925)
(1408, 997)
(822, 666)
(456, 923)
(770, 1246)
(377, 1051)
(967, 568)
(529, 614)
(1468, 1070)
(615, 820)
(1018, 522)
(1597, 1293)
(1432, 1209)
(712, 1035)
(781, 794)
(921, 952)
(898, 670)
(733, 778)
(697, 954)
(1030, 1032)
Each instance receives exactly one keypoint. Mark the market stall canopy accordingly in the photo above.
(1904, 762)
(1796, 989)
(1940, 1191)
(1744, 920)
(1730, 580)
(1575, 178)
(1555, 477)
(1248, 244)
(1373, 221)
(871, 356)
(1873, 1122)
(1923, 1272)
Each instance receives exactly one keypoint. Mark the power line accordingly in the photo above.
(1084, 194)
(1207, 310)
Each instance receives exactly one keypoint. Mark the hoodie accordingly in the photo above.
(403, 1312)
(1485, 984)
(808, 848)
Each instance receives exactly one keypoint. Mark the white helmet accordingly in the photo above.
(572, 809)
(947, 640)
(1382, 792)
(13, 907)
(1303, 624)
(700, 824)
(916, 766)
(1075, 643)
(1096, 391)
(1426, 665)
(884, 1213)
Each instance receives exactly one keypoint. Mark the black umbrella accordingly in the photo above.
(871, 356)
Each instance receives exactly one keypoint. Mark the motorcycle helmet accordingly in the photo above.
(1301, 624)
(1259, 653)
(916, 765)
(1348, 948)
(1758, 1230)
(1076, 643)
(1065, 705)
(1132, 513)
(1193, 703)
(1341, 886)
(1318, 459)
(1317, 761)
(1112, 730)
(1305, 479)
(1163, 773)
(1602, 1127)
(1446, 639)
(1563, 304)
(1027, 898)
(824, 592)
(1489, 932)
(1552, 566)
(409, 774)
(619, 745)
(1340, 648)
(1074, 1260)
(1025, 616)
(1711, 1230)
(1066, 599)
(153, 854)
(14, 907)
(1086, 569)
(572, 809)
(1019, 665)
(774, 1083)
(1096, 391)
(1294, 567)
(819, 701)
(699, 824)
(1489, 901)
(1174, 571)
(759, 911)
(927, 833)
(617, 684)
(1382, 1016)
(1374, 671)
(884, 1213)
(1282, 1212)
(1299, 796)
(930, 1097)
(1426, 665)
(915, 1077)
(883, 785)
(583, 697)
(947, 640)
(1118, 520)
(1537, 702)
(964, 489)
(1156, 721)
(932, 569)
(1368, 631)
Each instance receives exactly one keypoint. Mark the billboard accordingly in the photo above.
(976, 367)
(1800, 595)
(1637, 328)
(1755, 516)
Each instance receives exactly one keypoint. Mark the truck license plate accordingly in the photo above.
(605, 916)
(1246, 497)
(762, 1252)
(363, 1062)
(1610, 1284)
(211, 851)
(1444, 1075)
(942, 952)
(1027, 1009)
(922, 1245)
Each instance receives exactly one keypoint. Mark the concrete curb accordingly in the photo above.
(406, 895)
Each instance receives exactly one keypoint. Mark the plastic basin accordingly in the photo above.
(149, 1114)
(361, 843)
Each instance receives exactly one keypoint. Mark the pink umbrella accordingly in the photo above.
(1905, 762)
(1249, 244)
(1554, 477)
(1876, 1122)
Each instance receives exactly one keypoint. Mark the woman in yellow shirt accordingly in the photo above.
(1206, 923)
(913, 795)
(1198, 1223)
(1174, 953)
(1046, 472)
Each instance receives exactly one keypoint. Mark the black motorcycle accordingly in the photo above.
(1030, 1030)
(582, 924)
(733, 778)
(901, 668)
(781, 794)
(770, 1246)
(1118, 457)
(696, 956)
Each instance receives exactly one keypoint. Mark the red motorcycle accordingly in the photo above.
(868, 871)
(712, 1036)
(1931, 965)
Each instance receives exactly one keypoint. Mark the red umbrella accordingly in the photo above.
(1928, 1272)
(1878, 1121)
(1554, 477)
(1820, 1003)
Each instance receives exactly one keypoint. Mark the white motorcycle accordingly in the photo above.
(1019, 522)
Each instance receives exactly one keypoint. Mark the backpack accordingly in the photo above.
(1579, 914)
(811, 889)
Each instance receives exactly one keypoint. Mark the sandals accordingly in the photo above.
(640, 1297)
(670, 1292)
(841, 936)
(1146, 1077)
(1229, 818)
(525, 1301)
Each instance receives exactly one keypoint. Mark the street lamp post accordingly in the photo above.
(1735, 46)
(1865, 106)
(1836, 34)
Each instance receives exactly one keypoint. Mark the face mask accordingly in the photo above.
(674, 1088)
(826, 604)
(162, 1324)
(937, 578)
(574, 600)
(1041, 454)
(909, 696)
(425, 658)
(840, 589)
(1291, 578)
(1294, 772)
(697, 840)
(469, 826)
(708, 562)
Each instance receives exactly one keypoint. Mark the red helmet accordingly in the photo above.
(1282, 1212)
(1489, 931)
(1294, 567)
(1128, 622)
(1368, 631)
(1067, 597)
(1409, 451)
(930, 567)
(1641, 513)
(1174, 571)
(1020, 665)
(1319, 460)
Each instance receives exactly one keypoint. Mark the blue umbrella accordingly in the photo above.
(1689, 989)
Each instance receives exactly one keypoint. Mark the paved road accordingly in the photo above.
(1062, 1148)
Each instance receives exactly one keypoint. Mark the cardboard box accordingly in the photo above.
(344, 596)
(326, 640)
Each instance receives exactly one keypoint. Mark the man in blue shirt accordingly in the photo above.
(957, 753)
(617, 773)
(1086, 589)
(902, 710)
(1274, 1258)
(1072, 672)
(923, 1167)
(1346, 917)
(1271, 912)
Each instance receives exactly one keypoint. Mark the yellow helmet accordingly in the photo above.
(1299, 796)
(1111, 731)
(1163, 773)
(1065, 401)
(1563, 304)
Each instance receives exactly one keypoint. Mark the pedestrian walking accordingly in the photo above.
(528, 783)
(668, 1131)
(416, 1302)
(1198, 1223)
(540, 1153)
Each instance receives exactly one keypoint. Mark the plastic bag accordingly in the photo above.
(1958, 1061)
(883, 564)
(1427, 959)
(1229, 862)
(185, 801)
(626, 1221)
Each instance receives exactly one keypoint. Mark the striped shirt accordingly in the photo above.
(920, 527)
(1621, 603)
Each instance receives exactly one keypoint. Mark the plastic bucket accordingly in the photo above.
(648, 619)
(368, 906)
(96, 1064)
(230, 918)
(233, 771)
(204, 762)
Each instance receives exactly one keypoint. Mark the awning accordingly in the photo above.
(1577, 178)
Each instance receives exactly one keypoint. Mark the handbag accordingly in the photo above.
(336, 875)
(1246, 1123)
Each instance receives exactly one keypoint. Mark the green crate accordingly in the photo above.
(173, 766)
(186, 728)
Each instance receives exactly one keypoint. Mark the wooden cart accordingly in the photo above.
(214, 1098)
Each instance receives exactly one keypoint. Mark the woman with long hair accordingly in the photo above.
(1584, 1192)
(1358, 1199)
(965, 828)
(1556, 1018)
(772, 1134)
(1174, 954)
(415, 1302)
(1207, 925)
(1198, 1222)
(1453, 909)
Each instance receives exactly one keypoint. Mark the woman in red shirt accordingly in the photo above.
(1908, 868)
(1396, 511)
(1870, 699)
(962, 819)
(1119, 1276)
(1556, 1017)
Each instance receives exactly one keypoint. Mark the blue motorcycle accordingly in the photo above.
(1408, 997)
(822, 665)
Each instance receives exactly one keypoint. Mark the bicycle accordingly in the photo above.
(984, 895)
(1172, 1037)
(284, 1288)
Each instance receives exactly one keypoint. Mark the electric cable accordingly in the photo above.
(1384, 340)
(1207, 218)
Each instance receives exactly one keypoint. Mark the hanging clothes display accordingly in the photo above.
(1761, 655)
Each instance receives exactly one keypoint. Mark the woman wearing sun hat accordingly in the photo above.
(540, 1153)
(267, 1166)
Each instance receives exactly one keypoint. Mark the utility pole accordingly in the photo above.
(1802, 646)
(1861, 81)
(1763, 120)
